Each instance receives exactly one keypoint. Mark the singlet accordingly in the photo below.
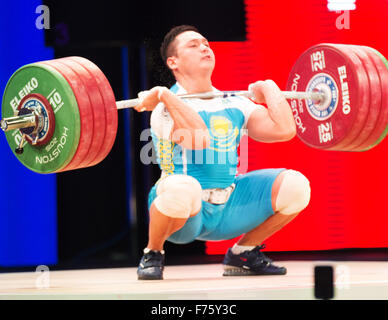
(215, 166)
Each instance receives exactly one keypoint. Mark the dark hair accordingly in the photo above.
(166, 50)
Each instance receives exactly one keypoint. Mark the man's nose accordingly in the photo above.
(204, 48)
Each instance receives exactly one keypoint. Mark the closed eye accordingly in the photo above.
(196, 42)
(193, 43)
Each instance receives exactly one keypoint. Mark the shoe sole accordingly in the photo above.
(149, 278)
(150, 273)
(230, 271)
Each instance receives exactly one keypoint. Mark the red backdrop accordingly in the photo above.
(348, 207)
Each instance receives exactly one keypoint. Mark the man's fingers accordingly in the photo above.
(142, 96)
(256, 88)
(148, 99)
(140, 108)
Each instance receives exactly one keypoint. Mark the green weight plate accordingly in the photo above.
(43, 79)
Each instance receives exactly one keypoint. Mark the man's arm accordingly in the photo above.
(274, 124)
(189, 129)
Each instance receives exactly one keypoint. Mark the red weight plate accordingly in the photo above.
(380, 129)
(361, 142)
(84, 106)
(110, 107)
(97, 110)
(335, 122)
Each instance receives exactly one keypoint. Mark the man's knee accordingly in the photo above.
(178, 196)
(294, 193)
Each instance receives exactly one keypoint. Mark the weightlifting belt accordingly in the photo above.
(217, 195)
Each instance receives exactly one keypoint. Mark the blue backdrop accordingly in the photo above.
(28, 221)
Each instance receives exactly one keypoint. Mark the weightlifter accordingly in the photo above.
(204, 199)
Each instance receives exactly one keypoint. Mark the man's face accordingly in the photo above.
(193, 55)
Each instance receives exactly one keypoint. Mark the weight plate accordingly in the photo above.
(381, 128)
(339, 119)
(45, 80)
(98, 110)
(360, 142)
(110, 107)
(84, 109)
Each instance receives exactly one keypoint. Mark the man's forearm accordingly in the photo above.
(278, 109)
(189, 129)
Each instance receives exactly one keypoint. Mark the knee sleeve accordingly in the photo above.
(178, 196)
(294, 193)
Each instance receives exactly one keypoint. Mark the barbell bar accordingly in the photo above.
(316, 96)
(25, 121)
(65, 108)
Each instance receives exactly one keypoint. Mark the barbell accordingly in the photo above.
(61, 114)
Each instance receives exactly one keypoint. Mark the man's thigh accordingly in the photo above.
(249, 205)
(189, 231)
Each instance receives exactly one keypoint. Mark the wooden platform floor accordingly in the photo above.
(354, 280)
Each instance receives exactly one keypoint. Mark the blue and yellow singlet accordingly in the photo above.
(215, 166)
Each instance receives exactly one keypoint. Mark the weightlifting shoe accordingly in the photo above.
(250, 263)
(151, 265)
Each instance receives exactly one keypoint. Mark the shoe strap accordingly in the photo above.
(259, 255)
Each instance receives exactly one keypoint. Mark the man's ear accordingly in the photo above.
(172, 62)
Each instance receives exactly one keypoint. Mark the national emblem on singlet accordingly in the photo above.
(223, 134)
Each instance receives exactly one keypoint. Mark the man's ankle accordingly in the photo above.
(147, 250)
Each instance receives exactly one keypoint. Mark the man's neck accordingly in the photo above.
(196, 85)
